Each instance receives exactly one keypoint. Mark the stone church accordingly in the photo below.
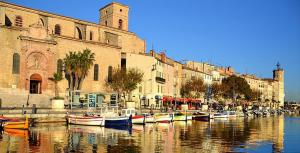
(34, 43)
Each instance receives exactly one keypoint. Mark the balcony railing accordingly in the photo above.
(160, 80)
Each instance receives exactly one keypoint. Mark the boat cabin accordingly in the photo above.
(128, 112)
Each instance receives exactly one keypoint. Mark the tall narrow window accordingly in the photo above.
(18, 21)
(59, 66)
(79, 33)
(120, 24)
(42, 22)
(109, 76)
(57, 29)
(91, 35)
(7, 21)
(96, 72)
(16, 64)
(105, 23)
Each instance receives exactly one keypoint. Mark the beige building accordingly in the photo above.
(150, 90)
(199, 70)
(272, 90)
(161, 77)
(33, 44)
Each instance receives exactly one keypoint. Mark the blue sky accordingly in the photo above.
(249, 35)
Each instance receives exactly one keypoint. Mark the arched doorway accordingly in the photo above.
(35, 84)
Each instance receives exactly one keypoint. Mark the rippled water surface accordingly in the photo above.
(269, 134)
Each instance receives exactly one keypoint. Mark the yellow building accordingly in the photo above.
(161, 77)
(272, 90)
(34, 42)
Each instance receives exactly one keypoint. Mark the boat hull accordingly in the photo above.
(201, 118)
(118, 121)
(150, 119)
(16, 124)
(138, 120)
(180, 118)
(220, 115)
(162, 118)
(90, 120)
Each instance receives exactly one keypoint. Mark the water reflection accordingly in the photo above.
(231, 135)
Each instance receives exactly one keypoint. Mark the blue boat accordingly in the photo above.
(118, 121)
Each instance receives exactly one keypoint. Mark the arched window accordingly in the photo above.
(18, 21)
(57, 29)
(96, 72)
(91, 35)
(16, 64)
(59, 66)
(105, 23)
(7, 21)
(79, 33)
(120, 24)
(109, 76)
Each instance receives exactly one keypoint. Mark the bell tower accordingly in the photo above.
(278, 89)
(115, 15)
(278, 73)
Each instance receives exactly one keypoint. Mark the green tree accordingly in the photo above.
(217, 90)
(193, 88)
(254, 96)
(77, 65)
(236, 86)
(56, 78)
(124, 81)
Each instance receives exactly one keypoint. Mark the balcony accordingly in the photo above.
(160, 80)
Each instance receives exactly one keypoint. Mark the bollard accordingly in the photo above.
(34, 109)
(0, 103)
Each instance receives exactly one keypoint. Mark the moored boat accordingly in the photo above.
(118, 121)
(163, 118)
(201, 116)
(179, 117)
(15, 124)
(85, 120)
(138, 119)
(149, 118)
(221, 115)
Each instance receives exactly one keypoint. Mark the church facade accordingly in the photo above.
(34, 43)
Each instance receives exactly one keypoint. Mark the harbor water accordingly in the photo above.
(265, 134)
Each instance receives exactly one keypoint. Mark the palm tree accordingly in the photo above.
(87, 59)
(56, 78)
(77, 66)
(70, 65)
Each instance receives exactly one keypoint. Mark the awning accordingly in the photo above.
(183, 100)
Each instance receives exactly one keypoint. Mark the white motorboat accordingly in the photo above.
(221, 115)
(85, 120)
